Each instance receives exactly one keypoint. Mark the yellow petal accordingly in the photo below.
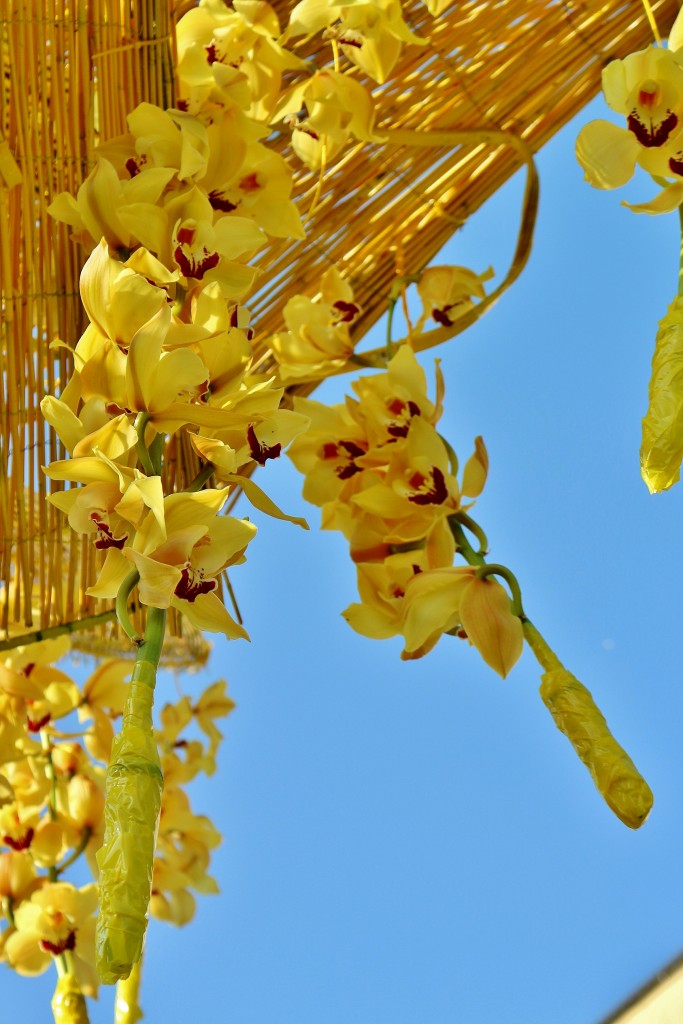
(666, 201)
(208, 612)
(114, 571)
(157, 580)
(487, 619)
(607, 154)
(63, 421)
(261, 501)
(476, 470)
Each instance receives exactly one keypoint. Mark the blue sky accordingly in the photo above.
(415, 843)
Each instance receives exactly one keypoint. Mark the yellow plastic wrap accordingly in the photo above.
(68, 1002)
(576, 715)
(126, 860)
(661, 450)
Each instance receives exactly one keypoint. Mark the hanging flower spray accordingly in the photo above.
(173, 217)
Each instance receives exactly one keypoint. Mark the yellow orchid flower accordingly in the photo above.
(168, 138)
(260, 187)
(18, 823)
(318, 338)
(185, 238)
(432, 606)
(120, 299)
(382, 585)
(646, 87)
(417, 489)
(327, 452)
(103, 199)
(337, 106)
(93, 429)
(42, 692)
(18, 877)
(447, 293)
(370, 35)
(387, 402)
(58, 918)
(232, 53)
(179, 558)
(213, 703)
(111, 504)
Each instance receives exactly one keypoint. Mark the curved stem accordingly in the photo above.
(485, 568)
(390, 320)
(72, 858)
(52, 776)
(376, 358)
(131, 580)
(156, 450)
(475, 529)
(471, 556)
(492, 569)
(204, 474)
(8, 909)
(452, 456)
(143, 453)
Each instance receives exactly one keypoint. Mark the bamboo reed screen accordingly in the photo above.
(71, 73)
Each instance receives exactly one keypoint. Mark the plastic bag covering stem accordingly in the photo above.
(133, 801)
(661, 450)
(576, 715)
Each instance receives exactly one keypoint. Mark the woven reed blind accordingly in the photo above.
(71, 73)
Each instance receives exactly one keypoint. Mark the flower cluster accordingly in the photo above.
(386, 479)
(52, 802)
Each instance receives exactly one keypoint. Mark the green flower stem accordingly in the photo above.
(485, 568)
(149, 651)
(52, 776)
(390, 321)
(471, 556)
(131, 580)
(127, 1007)
(475, 529)
(156, 450)
(204, 474)
(143, 452)
(544, 654)
(50, 632)
(8, 909)
(73, 857)
(452, 463)
(492, 569)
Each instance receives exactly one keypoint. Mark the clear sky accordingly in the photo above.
(415, 843)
